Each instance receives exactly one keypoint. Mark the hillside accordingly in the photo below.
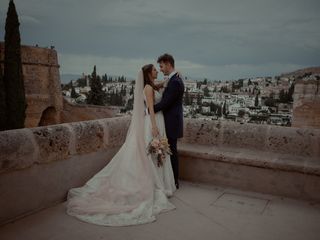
(301, 72)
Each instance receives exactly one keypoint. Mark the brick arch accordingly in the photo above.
(48, 117)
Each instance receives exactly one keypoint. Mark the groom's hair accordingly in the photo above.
(166, 58)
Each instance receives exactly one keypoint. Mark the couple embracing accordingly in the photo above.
(133, 188)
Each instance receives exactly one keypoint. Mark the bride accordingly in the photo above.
(131, 189)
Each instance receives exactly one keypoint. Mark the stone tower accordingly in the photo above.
(42, 85)
(306, 104)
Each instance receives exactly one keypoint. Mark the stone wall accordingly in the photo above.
(39, 165)
(306, 104)
(276, 160)
(82, 112)
(42, 85)
(303, 142)
(46, 106)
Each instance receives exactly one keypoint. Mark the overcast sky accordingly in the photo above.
(216, 39)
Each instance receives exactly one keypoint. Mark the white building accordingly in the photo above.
(66, 93)
(234, 108)
(205, 109)
(190, 84)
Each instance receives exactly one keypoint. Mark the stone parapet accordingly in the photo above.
(26, 147)
(39, 165)
(269, 159)
(268, 138)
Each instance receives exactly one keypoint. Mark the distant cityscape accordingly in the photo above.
(263, 100)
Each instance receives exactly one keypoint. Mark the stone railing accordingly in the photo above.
(39, 165)
(270, 159)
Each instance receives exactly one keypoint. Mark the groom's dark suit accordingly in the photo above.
(171, 106)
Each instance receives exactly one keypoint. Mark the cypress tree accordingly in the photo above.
(291, 92)
(219, 111)
(73, 94)
(256, 101)
(2, 102)
(282, 96)
(96, 94)
(13, 78)
(199, 99)
(206, 92)
(224, 109)
(213, 107)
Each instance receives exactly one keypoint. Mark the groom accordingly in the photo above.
(171, 106)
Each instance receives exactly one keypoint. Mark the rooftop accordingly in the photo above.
(275, 170)
(203, 212)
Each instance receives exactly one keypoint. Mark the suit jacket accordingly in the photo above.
(171, 106)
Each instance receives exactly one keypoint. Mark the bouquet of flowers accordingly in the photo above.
(159, 147)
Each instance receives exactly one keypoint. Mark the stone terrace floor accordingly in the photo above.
(203, 212)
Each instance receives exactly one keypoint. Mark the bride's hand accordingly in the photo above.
(155, 132)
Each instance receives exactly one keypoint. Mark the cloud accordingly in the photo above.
(218, 39)
(74, 63)
(78, 63)
(29, 20)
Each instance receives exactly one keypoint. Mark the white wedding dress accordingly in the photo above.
(164, 174)
(131, 189)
